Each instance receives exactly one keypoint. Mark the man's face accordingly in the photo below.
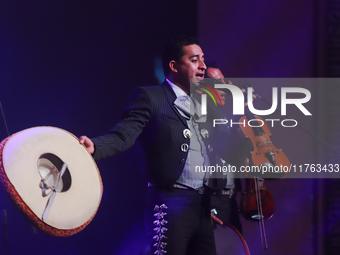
(217, 74)
(191, 66)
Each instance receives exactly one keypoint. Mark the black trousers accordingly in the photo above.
(178, 221)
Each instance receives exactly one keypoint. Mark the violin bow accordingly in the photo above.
(4, 208)
(259, 209)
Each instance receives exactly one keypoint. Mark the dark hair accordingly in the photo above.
(174, 50)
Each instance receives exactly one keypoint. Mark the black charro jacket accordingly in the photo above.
(152, 119)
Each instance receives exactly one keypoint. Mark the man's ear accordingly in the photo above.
(173, 66)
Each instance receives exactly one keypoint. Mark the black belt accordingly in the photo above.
(200, 190)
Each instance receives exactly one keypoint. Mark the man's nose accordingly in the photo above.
(202, 65)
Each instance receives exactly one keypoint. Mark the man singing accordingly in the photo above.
(167, 124)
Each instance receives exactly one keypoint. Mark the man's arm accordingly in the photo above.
(123, 135)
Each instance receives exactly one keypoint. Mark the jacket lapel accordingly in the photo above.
(171, 97)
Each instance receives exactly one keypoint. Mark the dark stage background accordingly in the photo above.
(72, 64)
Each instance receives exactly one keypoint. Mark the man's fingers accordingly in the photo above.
(87, 142)
(82, 139)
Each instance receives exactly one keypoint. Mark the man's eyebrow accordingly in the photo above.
(196, 55)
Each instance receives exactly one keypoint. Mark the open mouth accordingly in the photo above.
(200, 75)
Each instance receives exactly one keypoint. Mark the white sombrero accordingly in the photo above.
(51, 178)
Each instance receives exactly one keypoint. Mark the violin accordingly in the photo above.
(257, 191)
(257, 202)
(270, 161)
